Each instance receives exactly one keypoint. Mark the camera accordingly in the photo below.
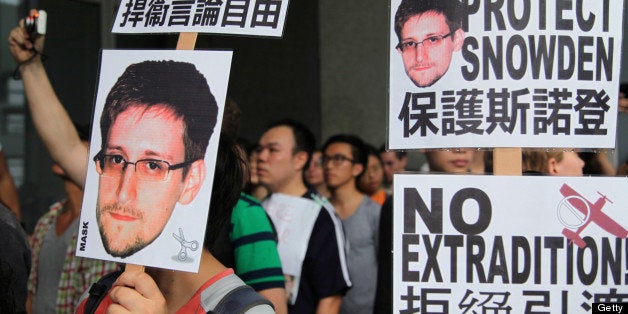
(35, 24)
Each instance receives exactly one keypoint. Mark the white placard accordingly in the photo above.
(501, 244)
(179, 242)
(238, 17)
(518, 74)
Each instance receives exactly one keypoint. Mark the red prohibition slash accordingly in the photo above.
(592, 213)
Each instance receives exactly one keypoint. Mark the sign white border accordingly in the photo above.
(122, 25)
(400, 84)
(523, 207)
(191, 218)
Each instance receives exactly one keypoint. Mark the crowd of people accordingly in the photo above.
(337, 259)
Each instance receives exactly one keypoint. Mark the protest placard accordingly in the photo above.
(153, 149)
(504, 74)
(237, 17)
(511, 244)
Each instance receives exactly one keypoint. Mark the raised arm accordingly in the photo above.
(50, 118)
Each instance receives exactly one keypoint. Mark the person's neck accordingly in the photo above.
(75, 197)
(293, 186)
(178, 287)
(259, 192)
(72, 207)
(346, 199)
(323, 190)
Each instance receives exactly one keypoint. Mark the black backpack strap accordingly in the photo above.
(99, 290)
(240, 300)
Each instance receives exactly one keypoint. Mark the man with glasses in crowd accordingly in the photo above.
(429, 31)
(344, 160)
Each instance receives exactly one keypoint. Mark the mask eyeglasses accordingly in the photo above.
(430, 42)
(336, 160)
(145, 169)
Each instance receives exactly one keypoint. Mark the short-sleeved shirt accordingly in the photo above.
(324, 271)
(78, 273)
(254, 241)
(361, 231)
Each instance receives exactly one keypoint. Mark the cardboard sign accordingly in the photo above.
(502, 244)
(153, 149)
(293, 218)
(504, 73)
(239, 17)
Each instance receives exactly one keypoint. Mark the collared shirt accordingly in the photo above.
(255, 245)
(78, 273)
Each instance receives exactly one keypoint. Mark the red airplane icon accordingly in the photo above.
(595, 215)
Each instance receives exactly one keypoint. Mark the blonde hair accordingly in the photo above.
(537, 161)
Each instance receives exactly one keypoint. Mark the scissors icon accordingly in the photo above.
(192, 245)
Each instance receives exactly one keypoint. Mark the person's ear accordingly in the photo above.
(552, 166)
(300, 159)
(357, 169)
(193, 182)
(458, 39)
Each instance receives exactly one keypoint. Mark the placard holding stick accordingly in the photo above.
(187, 41)
(507, 161)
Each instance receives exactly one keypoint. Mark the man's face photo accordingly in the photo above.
(426, 47)
(143, 175)
(153, 149)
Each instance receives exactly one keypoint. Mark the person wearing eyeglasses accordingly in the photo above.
(429, 31)
(344, 160)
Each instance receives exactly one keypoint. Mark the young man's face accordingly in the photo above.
(426, 65)
(450, 161)
(392, 164)
(340, 168)
(132, 211)
(276, 162)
